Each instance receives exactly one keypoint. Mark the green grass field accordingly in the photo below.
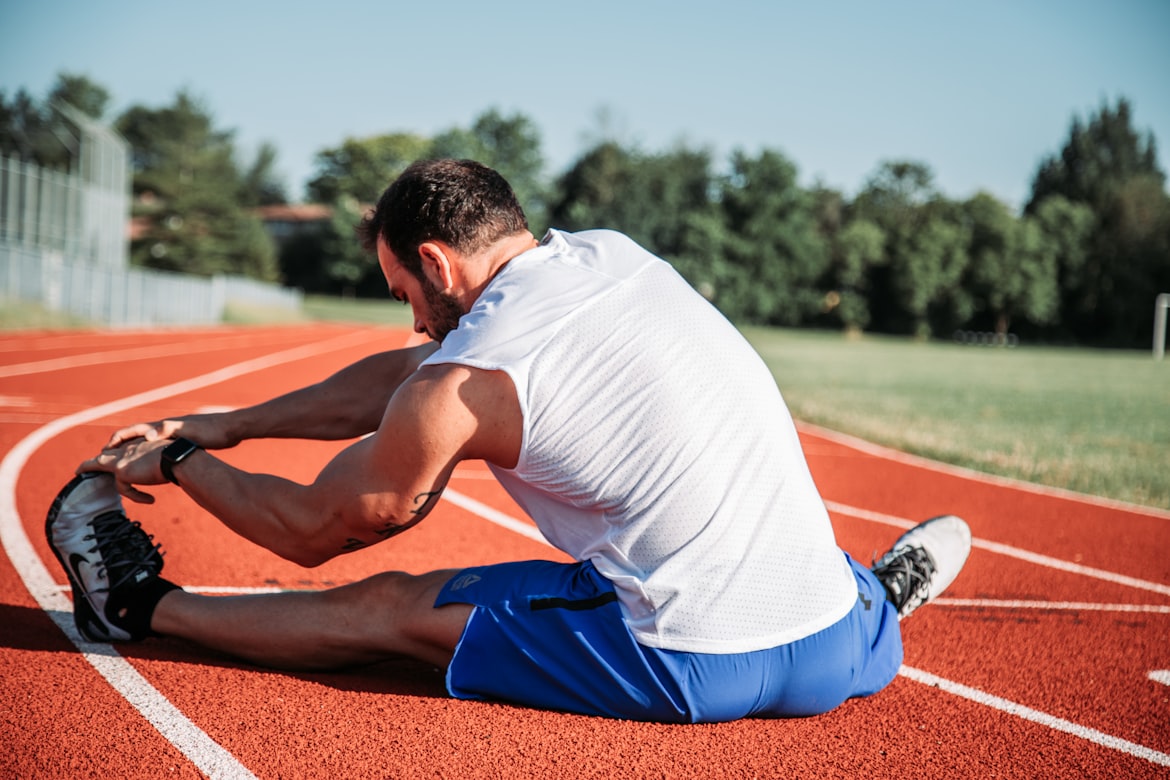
(1088, 420)
(385, 312)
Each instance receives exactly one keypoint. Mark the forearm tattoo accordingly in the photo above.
(423, 504)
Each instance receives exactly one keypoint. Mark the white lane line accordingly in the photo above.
(1157, 609)
(216, 590)
(980, 697)
(1160, 676)
(48, 592)
(1043, 718)
(494, 516)
(1070, 606)
(211, 758)
(133, 353)
(885, 453)
(1008, 550)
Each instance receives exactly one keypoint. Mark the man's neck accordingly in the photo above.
(493, 259)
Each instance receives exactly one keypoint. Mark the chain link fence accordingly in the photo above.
(64, 246)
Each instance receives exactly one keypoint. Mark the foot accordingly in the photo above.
(112, 564)
(923, 562)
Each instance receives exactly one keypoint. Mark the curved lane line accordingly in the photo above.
(132, 353)
(210, 757)
(886, 453)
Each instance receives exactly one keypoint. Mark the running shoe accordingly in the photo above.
(923, 562)
(110, 561)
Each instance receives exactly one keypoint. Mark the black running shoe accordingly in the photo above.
(924, 561)
(109, 559)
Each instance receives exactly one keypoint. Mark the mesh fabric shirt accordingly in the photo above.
(656, 445)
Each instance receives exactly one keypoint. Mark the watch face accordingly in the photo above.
(173, 454)
(179, 449)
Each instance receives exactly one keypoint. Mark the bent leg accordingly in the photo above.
(390, 614)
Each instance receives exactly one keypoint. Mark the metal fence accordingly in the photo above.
(124, 297)
(63, 245)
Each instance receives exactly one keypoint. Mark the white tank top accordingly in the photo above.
(657, 446)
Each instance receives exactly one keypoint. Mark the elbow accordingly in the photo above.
(304, 560)
(306, 554)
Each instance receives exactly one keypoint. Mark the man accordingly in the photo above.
(626, 416)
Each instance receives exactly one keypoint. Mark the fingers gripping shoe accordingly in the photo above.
(112, 564)
(923, 562)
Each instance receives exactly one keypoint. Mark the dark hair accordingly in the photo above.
(460, 202)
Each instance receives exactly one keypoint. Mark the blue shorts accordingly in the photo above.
(552, 636)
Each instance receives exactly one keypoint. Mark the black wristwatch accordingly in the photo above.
(175, 453)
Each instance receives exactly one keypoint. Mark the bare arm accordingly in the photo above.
(347, 404)
(372, 490)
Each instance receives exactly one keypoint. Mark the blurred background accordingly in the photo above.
(918, 168)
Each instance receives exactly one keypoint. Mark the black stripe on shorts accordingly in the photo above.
(576, 605)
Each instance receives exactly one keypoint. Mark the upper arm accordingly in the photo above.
(392, 479)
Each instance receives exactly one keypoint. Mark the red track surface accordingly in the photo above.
(1042, 661)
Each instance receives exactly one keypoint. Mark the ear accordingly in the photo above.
(437, 264)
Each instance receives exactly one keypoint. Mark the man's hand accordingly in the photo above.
(133, 463)
(209, 431)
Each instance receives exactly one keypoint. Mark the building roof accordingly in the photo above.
(294, 212)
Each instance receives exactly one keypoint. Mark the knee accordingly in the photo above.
(395, 592)
(394, 612)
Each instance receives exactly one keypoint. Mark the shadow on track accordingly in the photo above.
(29, 629)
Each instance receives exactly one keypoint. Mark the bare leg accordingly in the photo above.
(386, 615)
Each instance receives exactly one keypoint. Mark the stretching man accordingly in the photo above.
(624, 414)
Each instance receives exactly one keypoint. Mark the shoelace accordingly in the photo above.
(124, 549)
(907, 576)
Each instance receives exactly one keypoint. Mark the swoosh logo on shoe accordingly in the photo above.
(87, 624)
(75, 571)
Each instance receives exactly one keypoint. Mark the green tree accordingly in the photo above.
(591, 193)
(645, 196)
(1096, 157)
(1013, 270)
(1067, 227)
(772, 242)
(26, 134)
(82, 94)
(189, 190)
(658, 200)
(510, 145)
(857, 248)
(38, 132)
(326, 257)
(361, 168)
(919, 278)
(1106, 165)
(260, 185)
(928, 264)
(346, 264)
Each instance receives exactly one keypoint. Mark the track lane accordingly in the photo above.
(392, 717)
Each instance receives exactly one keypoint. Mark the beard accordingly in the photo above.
(445, 311)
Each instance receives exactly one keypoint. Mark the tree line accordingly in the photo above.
(1081, 263)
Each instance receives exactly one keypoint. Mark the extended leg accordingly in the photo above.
(386, 615)
(114, 570)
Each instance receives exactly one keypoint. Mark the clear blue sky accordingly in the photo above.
(979, 91)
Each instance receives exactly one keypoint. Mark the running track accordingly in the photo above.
(1049, 657)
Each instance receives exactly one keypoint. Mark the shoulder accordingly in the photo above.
(472, 412)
